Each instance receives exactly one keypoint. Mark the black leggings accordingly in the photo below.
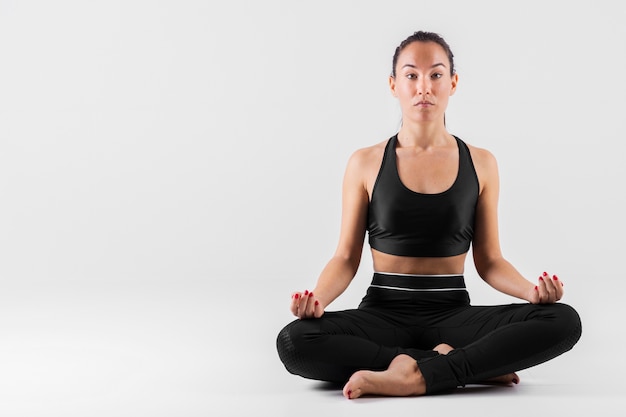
(411, 315)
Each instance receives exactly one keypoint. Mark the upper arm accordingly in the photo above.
(355, 201)
(486, 243)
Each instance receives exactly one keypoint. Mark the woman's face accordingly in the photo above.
(423, 83)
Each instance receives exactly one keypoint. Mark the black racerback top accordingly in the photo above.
(407, 223)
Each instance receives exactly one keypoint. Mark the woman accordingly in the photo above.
(423, 196)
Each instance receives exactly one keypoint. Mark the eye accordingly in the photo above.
(411, 76)
(437, 75)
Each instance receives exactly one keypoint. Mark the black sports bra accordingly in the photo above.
(407, 223)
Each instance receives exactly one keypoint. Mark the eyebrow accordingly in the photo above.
(432, 66)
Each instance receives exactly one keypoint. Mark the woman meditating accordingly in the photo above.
(423, 196)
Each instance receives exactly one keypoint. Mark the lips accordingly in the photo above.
(424, 103)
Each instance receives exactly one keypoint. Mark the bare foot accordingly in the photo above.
(402, 378)
(443, 348)
(507, 379)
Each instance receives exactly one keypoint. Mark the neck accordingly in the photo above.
(423, 135)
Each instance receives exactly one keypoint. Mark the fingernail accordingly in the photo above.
(561, 283)
(306, 292)
(349, 393)
(545, 274)
(515, 381)
(296, 296)
(554, 277)
(535, 287)
(317, 303)
(310, 294)
(540, 279)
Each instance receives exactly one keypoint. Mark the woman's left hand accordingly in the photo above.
(548, 290)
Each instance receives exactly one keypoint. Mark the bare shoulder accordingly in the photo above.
(364, 159)
(364, 163)
(484, 160)
(486, 167)
(364, 155)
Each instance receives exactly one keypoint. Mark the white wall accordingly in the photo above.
(145, 141)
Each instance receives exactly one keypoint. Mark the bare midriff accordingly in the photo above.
(384, 262)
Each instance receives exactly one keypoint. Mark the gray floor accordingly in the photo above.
(187, 349)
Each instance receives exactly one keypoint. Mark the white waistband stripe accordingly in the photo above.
(424, 276)
(386, 287)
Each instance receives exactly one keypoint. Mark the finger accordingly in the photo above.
(295, 301)
(543, 292)
(550, 288)
(310, 305)
(535, 298)
(559, 287)
(303, 305)
(319, 310)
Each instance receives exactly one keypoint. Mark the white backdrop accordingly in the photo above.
(194, 142)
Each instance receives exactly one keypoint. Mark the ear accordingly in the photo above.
(392, 86)
(455, 81)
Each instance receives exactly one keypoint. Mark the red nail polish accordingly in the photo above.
(545, 274)
(554, 277)
(535, 287)
(306, 292)
(296, 296)
(317, 303)
(310, 294)
(540, 279)
(349, 394)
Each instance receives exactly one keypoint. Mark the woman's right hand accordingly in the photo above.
(306, 306)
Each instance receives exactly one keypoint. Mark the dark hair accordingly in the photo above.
(421, 36)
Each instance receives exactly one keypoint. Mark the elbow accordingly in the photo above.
(484, 264)
(351, 261)
(354, 263)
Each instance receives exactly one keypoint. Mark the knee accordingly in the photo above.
(567, 315)
(289, 336)
(302, 351)
(568, 321)
(289, 345)
(284, 342)
(299, 334)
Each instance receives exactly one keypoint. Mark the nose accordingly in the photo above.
(423, 86)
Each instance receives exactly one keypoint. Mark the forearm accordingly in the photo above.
(334, 279)
(502, 276)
